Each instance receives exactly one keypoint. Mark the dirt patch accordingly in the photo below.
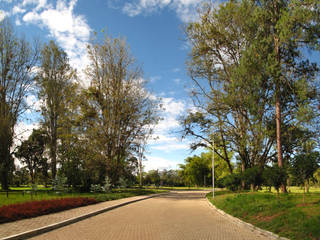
(261, 218)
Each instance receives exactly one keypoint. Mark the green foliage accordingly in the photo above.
(54, 80)
(30, 153)
(304, 165)
(249, 69)
(232, 181)
(274, 177)
(116, 109)
(253, 176)
(197, 170)
(152, 177)
(18, 60)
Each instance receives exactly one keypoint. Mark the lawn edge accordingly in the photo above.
(38, 231)
(249, 225)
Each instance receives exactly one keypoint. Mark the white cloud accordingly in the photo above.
(17, 9)
(165, 132)
(155, 78)
(3, 14)
(186, 10)
(70, 30)
(34, 104)
(177, 80)
(160, 163)
(23, 130)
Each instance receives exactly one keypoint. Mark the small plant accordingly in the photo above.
(123, 183)
(97, 188)
(107, 184)
(59, 183)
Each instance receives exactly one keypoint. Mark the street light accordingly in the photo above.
(213, 166)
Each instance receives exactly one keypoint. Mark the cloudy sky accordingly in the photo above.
(153, 30)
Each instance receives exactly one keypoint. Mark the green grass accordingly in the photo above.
(19, 196)
(286, 216)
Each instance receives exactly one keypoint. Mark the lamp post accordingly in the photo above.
(213, 167)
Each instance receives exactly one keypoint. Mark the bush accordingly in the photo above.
(253, 176)
(18, 211)
(232, 181)
(274, 176)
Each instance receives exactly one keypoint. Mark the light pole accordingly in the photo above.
(213, 166)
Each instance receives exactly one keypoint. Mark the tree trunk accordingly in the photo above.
(278, 106)
(307, 185)
(140, 173)
(304, 192)
(243, 168)
(4, 180)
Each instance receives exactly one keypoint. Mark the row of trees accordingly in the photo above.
(256, 90)
(90, 133)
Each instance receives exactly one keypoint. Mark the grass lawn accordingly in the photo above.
(19, 196)
(286, 216)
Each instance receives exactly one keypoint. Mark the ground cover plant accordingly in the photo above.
(285, 215)
(19, 211)
(18, 196)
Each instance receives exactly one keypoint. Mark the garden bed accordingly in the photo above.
(19, 211)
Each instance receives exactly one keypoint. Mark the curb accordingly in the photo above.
(253, 228)
(38, 231)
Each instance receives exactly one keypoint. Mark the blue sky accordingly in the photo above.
(153, 30)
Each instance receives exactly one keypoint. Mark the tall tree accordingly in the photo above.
(289, 27)
(230, 92)
(17, 59)
(30, 152)
(119, 110)
(53, 79)
(256, 77)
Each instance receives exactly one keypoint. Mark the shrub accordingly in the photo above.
(18, 211)
(253, 176)
(274, 176)
(232, 181)
(97, 188)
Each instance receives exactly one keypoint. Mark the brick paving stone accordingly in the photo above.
(12, 228)
(176, 216)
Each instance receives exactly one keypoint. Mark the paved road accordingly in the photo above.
(178, 215)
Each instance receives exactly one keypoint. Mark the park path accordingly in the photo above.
(177, 215)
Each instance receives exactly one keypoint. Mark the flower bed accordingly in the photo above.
(36, 208)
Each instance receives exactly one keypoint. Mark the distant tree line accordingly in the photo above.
(86, 134)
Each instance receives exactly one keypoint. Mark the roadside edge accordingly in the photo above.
(249, 225)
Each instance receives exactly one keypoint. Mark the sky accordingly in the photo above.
(153, 29)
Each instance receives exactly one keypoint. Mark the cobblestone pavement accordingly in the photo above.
(12, 228)
(178, 215)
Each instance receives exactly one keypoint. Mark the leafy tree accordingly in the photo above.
(251, 77)
(21, 176)
(30, 152)
(232, 181)
(118, 110)
(288, 27)
(17, 61)
(230, 93)
(303, 166)
(274, 176)
(170, 178)
(153, 177)
(197, 170)
(54, 79)
(253, 176)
